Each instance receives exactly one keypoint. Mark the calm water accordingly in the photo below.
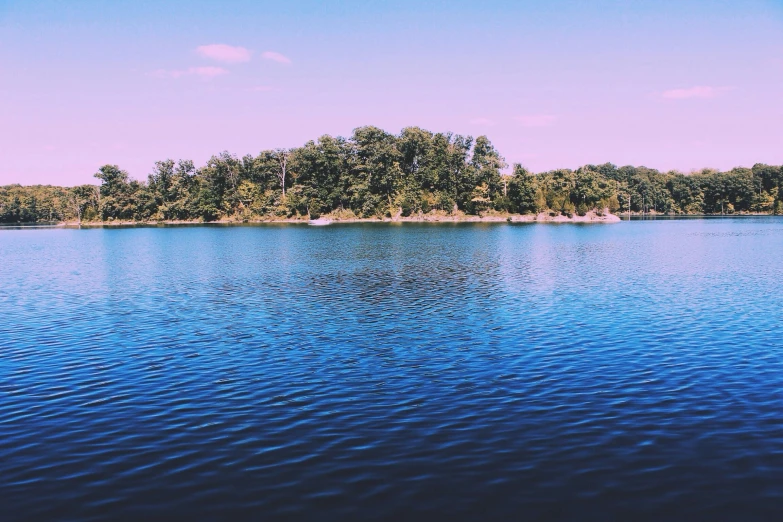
(380, 371)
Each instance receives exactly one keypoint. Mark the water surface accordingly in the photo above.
(387, 371)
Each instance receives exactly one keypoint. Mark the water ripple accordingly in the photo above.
(372, 371)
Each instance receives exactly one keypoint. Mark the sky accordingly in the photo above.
(668, 84)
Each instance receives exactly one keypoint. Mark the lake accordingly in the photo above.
(473, 371)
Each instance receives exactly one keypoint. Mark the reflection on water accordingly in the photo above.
(355, 371)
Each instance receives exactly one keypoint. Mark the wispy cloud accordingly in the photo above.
(536, 120)
(276, 57)
(224, 53)
(203, 72)
(482, 121)
(208, 72)
(698, 91)
(261, 88)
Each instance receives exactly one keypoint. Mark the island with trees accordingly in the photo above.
(415, 174)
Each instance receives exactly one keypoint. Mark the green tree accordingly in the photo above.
(523, 191)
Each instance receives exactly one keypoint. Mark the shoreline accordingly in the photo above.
(543, 217)
(590, 217)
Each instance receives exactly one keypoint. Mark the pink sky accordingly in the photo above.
(670, 85)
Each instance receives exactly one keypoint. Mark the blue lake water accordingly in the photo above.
(484, 371)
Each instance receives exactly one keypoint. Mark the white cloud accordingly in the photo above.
(698, 91)
(209, 72)
(276, 57)
(536, 120)
(224, 53)
(203, 72)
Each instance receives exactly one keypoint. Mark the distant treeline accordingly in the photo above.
(376, 174)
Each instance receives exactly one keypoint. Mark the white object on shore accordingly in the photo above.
(320, 222)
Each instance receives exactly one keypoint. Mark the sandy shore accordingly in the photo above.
(590, 217)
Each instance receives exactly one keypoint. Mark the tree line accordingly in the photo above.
(377, 174)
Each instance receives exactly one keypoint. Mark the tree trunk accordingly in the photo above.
(282, 157)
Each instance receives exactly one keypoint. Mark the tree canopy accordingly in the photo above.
(374, 174)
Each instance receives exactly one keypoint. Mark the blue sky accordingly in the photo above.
(668, 84)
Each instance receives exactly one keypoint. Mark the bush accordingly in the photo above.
(503, 204)
(446, 203)
(370, 206)
(613, 204)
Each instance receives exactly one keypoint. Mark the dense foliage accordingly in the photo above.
(375, 174)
